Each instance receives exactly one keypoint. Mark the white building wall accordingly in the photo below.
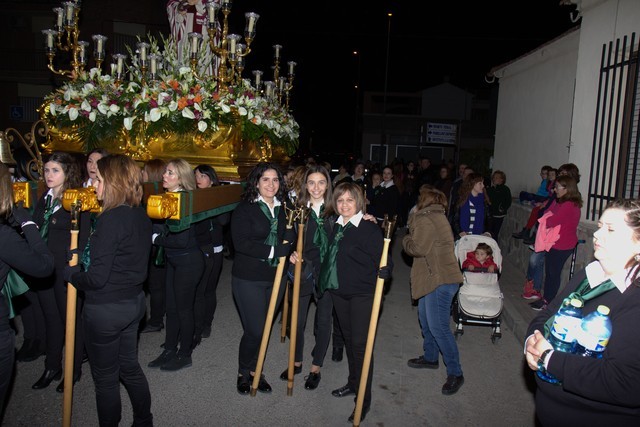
(534, 112)
(602, 22)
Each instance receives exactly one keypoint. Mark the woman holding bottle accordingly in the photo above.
(597, 391)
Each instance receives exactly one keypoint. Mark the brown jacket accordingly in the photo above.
(430, 242)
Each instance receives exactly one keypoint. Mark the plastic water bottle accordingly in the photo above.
(565, 325)
(563, 332)
(594, 333)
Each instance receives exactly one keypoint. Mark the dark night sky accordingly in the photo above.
(429, 41)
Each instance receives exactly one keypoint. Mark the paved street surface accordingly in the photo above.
(497, 389)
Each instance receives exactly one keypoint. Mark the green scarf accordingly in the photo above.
(272, 238)
(320, 238)
(328, 270)
(86, 253)
(583, 292)
(13, 286)
(49, 206)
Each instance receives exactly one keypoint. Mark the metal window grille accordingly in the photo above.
(615, 156)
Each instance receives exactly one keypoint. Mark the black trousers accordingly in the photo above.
(7, 355)
(338, 339)
(354, 315)
(111, 338)
(183, 275)
(33, 318)
(156, 285)
(321, 327)
(206, 301)
(252, 299)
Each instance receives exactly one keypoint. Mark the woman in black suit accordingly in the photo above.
(115, 303)
(185, 265)
(28, 255)
(258, 230)
(349, 271)
(61, 172)
(317, 195)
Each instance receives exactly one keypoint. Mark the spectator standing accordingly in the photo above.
(499, 202)
(471, 208)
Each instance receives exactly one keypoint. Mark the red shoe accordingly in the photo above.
(533, 295)
(528, 289)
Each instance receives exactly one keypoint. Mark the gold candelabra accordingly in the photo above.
(34, 167)
(65, 37)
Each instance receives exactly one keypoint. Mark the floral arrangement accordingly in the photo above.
(178, 101)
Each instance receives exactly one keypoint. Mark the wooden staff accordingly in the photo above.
(75, 201)
(293, 331)
(373, 323)
(285, 315)
(291, 215)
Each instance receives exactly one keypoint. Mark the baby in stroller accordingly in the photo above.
(480, 260)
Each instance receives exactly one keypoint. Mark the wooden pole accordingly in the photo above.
(373, 324)
(285, 315)
(293, 331)
(271, 310)
(70, 330)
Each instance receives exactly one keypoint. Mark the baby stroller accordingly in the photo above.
(479, 300)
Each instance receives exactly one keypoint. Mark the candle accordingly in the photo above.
(153, 63)
(113, 68)
(59, 16)
(292, 66)
(194, 43)
(50, 40)
(251, 21)
(212, 9)
(232, 42)
(99, 46)
(281, 81)
(143, 52)
(258, 75)
(82, 52)
(70, 7)
(119, 64)
(276, 51)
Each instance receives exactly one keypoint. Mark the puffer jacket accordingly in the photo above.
(430, 242)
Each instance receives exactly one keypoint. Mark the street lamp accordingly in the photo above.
(357, 94)
(383, 136)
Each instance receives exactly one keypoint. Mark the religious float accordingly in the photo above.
(180, 96)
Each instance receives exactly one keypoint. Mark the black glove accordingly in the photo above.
(384, 273)
(20, 215)
(71, 253)
(70, 271)
(281, 250)
(289, 235)
(158, 228)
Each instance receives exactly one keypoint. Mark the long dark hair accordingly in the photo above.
(210, 172)
(251, 193)
(573, 195)
(631, 209)
(71, 169)
(329, 209)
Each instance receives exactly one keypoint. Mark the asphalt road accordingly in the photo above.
(497, 389)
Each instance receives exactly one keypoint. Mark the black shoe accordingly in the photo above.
(312, 380)
(336, 356)
(541, 304)
(151, 328)
(452, 385)
(362, 415)
(244, 386)
(197, 339)
(206, 332)
(176, 363)
(343, 391)
(285, 374)
(46, 378)
(529, 240)
(263, 385)
(421, 362)
(60, 388)
(162, 359)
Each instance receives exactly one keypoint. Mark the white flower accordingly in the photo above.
(73, 113)
(173, 106)
(242, 111)
(202, 125)
(94, 72)
(186, 112)
(154, 114)
(92, 116)
(103, 108)
(85, 105)
(128, 122)
(114, 108)
(224, 107)
(52, 109)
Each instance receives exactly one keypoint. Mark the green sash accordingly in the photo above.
(272, 238)
(49, 206)
(13, 287)
(328, 270)
(320, 238)
(86, 253)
